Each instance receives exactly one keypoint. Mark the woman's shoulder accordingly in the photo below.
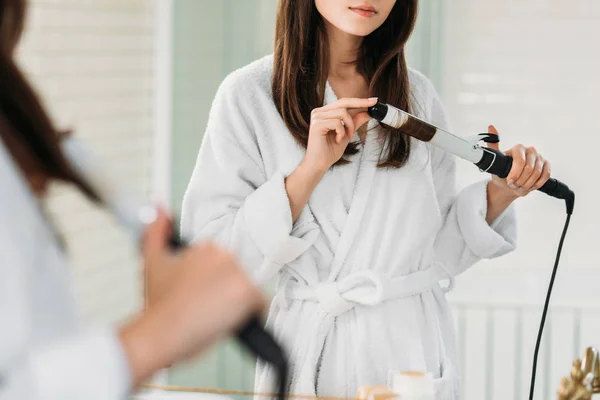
(17, 210)
(243, 98)
(419, 82)
(422, 92)
(249, 80)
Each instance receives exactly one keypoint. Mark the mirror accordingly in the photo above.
(137, 80)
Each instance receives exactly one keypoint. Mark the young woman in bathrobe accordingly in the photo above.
(359, 223)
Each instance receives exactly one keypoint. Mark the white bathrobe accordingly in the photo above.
(358, 293)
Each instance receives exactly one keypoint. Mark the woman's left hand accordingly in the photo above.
(529, 169)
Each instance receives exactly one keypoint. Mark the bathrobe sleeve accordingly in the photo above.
(88, 365)
(465, 236)
(230, 198)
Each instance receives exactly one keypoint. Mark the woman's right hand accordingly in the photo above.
(332, 127)
(198, 295)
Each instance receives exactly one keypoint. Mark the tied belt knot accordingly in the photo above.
(365, 288)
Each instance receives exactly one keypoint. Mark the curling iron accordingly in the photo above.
(488, 160)
(135, 214)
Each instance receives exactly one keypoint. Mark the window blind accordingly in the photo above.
(92, 61)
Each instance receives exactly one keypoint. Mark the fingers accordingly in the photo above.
(519, 156)
(350, 124)
(249, 293)
(360, 119)
(546, 173)
(492, 129)
(155, 250)
(538, 168)
(350, 103)
(338, 111)
(156, 236)
(529, 172)
(529, 169)
(329, 125)
(340, 114)
(222, 267)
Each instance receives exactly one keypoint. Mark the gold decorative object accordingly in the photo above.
(585, 381)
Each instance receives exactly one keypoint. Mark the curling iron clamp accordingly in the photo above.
(488, 160)
(136, 215)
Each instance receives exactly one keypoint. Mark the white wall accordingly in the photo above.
(530, 68)
(93, 62)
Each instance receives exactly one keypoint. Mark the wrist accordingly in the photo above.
(498, 194)
(312, 169)
(144, 343)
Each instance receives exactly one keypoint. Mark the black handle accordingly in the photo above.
(256, 339)
(263, 345)
(497, 163)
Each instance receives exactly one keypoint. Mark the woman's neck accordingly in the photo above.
(343, 52)
(343, 75)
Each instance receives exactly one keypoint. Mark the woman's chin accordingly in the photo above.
(359, 30)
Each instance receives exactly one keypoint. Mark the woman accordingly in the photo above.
(45, 352)
(359, 222)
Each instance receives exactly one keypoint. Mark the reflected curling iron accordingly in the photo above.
(488, 160)
(135, 214)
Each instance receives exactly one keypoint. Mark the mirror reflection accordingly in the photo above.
(388, 264)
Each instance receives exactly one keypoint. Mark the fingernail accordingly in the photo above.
(373, 98)
(511, 184)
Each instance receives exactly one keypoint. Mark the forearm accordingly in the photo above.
(299, 186)
(498, 200)
(138, 340)
(149, 343)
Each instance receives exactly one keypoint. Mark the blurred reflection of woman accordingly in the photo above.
(46, 352)
(359, 222)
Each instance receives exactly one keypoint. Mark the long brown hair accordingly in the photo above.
(301, 64)
(30, 135)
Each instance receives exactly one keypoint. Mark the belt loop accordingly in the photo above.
(450, 278)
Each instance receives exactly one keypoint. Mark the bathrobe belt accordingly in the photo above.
(366, 288)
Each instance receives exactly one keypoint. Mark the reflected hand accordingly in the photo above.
(195, 297)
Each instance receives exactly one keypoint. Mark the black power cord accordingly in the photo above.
(570, 206)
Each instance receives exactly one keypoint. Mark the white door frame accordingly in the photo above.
(163, 102)
(163, 115)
